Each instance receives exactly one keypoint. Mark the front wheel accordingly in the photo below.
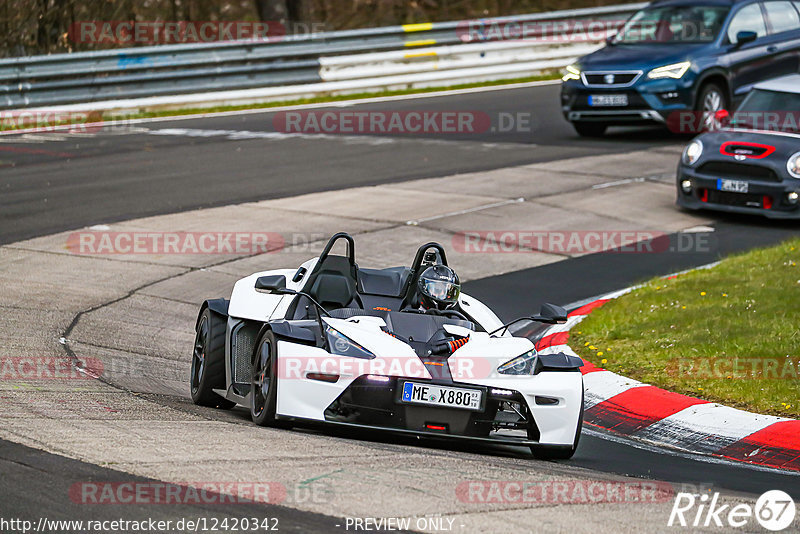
(264, 384)
(590, 129)
(711, 100)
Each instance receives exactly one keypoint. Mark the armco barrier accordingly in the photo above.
(355, 60)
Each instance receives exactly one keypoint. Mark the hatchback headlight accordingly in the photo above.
(573, 73)
(521, 365)
(693, 152)
(341, 345)
(793, 165)
(675, 71)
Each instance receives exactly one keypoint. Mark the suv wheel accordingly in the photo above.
(711, 100)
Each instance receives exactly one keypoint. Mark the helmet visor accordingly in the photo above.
(441, 291)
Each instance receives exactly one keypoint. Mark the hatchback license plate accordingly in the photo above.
(444, 396)
(608, 100)
(733, 186)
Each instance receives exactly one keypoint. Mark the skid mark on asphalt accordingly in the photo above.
(36, 151)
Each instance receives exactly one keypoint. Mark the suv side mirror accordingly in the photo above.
(551, 314)
(742, 38)
(271, 283)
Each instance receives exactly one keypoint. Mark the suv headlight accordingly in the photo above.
(521, 365)
(573, 73)
(793, 165)
(693, 152)
(341, 345)
(675, 71)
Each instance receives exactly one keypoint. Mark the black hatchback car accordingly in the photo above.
(675, 56)
(753, 164)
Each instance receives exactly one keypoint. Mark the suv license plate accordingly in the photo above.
(608, 100)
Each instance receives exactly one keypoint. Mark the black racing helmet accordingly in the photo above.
(440, 287)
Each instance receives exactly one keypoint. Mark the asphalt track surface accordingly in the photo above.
(51, 185)
(42, 484)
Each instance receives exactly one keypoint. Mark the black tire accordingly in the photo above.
(710, 99)
(590, 129)
(263, 384)
(544, 453)
(208, 362)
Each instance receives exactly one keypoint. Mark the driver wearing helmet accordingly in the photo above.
(439, 289)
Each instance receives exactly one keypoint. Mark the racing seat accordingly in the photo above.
(334, 289)
(332, 282)
(382, 289)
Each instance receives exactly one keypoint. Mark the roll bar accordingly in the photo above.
(351, 247)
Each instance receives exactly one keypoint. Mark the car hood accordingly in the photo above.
(773, 149)
(479, 357)
(637, 57)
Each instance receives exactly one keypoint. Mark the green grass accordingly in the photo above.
(730, 334)
(108, 116)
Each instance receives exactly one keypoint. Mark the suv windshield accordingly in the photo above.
(769, 110)
(673, 24)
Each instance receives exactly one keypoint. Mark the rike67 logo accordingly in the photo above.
(774, 510)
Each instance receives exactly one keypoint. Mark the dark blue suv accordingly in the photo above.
(675, 56)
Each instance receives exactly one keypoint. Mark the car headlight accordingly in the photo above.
(573, 73)
(675, 71)
(341, 345)
(793, 165)
(521, 365)
(693, 152)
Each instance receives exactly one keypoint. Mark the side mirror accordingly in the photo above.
(276, 283)
(551, 314)
(742, 38)
(722, 117)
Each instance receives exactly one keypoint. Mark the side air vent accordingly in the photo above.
(243, 343)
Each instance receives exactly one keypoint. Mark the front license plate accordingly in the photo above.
(443, 396)
(608, 100)
(733, 186)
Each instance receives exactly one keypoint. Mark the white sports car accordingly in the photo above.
(335, 343)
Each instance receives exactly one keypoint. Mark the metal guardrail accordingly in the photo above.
(195, 68)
